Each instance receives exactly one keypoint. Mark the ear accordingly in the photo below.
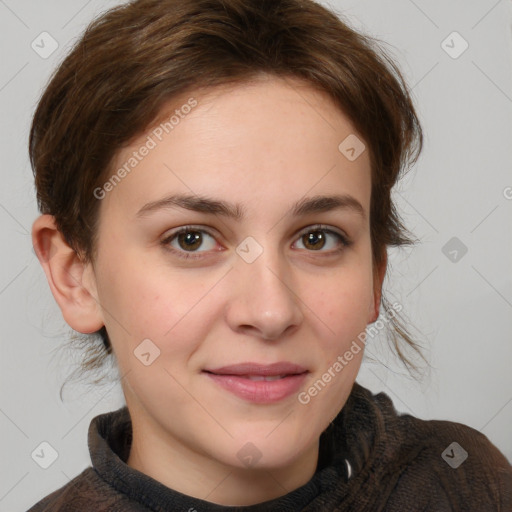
(379, 273)
(72, 282)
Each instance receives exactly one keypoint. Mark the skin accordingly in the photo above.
(265, 145)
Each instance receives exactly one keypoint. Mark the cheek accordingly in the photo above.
(344, 303)
(342, 311)
(156, 304)
(135, 301)
(147, 298)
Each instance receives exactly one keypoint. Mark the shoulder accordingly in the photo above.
(87, 491)
(461, 464)
(455, 462)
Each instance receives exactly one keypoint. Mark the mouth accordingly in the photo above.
(259, 383)
(269, 378)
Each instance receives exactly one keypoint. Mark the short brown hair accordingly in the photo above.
(135, 58)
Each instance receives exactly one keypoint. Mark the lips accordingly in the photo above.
(259, 383)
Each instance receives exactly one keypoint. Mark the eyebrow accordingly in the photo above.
(236, 211)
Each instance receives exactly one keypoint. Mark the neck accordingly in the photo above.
(195, 474)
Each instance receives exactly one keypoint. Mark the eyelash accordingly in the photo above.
(344, 241)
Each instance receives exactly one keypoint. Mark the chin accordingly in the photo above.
(266, 451)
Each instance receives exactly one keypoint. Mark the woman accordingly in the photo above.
(215, 180)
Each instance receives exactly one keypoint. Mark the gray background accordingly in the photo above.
(461, 187)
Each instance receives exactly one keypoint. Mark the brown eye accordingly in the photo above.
(320, 239)
(190, 240)
(314, 240)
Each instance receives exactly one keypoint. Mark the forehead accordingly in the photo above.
(269, 138)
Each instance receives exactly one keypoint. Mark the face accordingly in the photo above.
(244, 272)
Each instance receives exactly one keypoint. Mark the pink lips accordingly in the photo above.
(260, 383)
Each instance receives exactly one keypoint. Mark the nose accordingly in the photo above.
(263, 301)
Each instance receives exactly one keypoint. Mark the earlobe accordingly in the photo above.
(71, 281)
